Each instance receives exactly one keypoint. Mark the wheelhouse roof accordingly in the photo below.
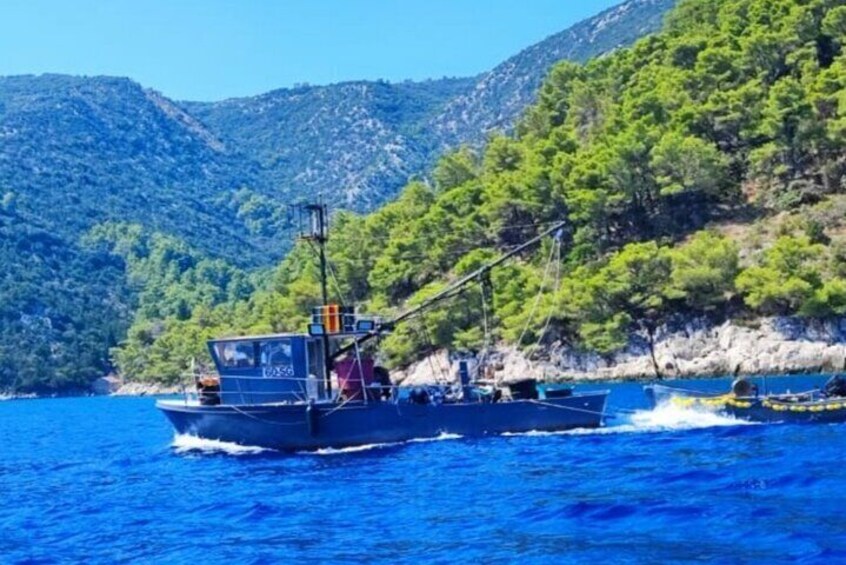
(258, 337)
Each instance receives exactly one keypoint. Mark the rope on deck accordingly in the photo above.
(574, 409)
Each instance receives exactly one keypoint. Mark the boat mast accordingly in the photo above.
(319, 234)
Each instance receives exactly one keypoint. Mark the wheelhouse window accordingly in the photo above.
(276, 358)
(236, 354)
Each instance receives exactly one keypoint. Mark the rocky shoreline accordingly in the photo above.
(683, 348)
(699, 347)
(13, 396)
(146, 389)
(112, 385)
(680, 349)
(125, 389)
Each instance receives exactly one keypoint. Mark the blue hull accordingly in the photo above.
(299, 427)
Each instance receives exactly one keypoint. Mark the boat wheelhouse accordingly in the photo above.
(291, 367)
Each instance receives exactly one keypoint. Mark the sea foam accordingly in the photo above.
(185, 443)
(670, 417)
(371, 446)
(661, 419)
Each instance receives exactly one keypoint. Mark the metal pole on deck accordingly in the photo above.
(319, 233)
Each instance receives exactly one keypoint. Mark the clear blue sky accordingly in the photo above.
(215, 49)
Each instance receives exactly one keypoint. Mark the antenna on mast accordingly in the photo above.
(316, 229)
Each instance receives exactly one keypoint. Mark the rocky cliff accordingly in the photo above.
(700, 348)
(691, 348)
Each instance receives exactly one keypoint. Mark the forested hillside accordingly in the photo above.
(107, 188)
(80, 151)
(702, 172)
(498, 98)
(355, 142)
(76, 153)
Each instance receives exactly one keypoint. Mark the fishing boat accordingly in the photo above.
(322, 388)
(743, 401)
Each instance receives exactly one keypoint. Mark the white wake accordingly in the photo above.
(669, 417)
(371, 446)
(185, 443)
(663, 418)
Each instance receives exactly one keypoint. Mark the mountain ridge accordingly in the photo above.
(490, 101)
(574, 43)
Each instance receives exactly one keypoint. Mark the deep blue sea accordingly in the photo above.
(103, 480)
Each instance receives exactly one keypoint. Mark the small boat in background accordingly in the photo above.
(743, 401)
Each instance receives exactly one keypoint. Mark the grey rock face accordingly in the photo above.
(688, 348)
(106, 385)
(698, 348)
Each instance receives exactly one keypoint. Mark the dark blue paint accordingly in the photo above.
(95, 480)
(295, 427)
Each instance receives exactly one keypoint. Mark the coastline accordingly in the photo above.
(126, 389)
(153, 390)
(691, 348)
(146, 389)
(14, 396)
(682, 348)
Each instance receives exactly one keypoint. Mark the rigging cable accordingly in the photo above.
(556, 294)
(432, 356)
(485, 317)
(337, 284)
(331, 270)
(486, 242)
(429, 354)
(485, 287)
(538, 297)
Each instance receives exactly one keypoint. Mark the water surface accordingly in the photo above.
(104, 480)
